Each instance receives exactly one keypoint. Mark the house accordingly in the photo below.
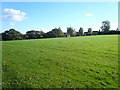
(95, 32)
(85, 33)
(68, 35)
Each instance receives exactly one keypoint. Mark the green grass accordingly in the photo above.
(75, 62)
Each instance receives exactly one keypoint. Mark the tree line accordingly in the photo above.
(13, 34)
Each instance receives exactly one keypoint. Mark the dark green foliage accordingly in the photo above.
(71, 31)
(81, 31)
(0, 36)
(12, 34)
(110, 32)
(34, 34)
(90, 31)
(117, 29)
(105, 26)
(25, 36)
(55, 33)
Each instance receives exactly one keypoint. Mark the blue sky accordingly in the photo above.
(45, 16)
(60, 0)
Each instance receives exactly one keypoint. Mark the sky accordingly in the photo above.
(59, 0)
(45, 16)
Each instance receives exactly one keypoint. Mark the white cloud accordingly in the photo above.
(13, 15)
(88, 14)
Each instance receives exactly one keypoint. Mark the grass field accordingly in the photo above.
(75, 62)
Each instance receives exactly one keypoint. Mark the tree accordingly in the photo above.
(81, 31)
(99, 30)
(61, 33)
(0, 36)
(34, 34)
(117, 29)
(89, 30)
(12, 34)
(105, 26)
(71, 31)
(25, 36)
(55, 33)
(58, 32)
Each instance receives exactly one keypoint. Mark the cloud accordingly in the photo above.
(88, 14)
(13, 15)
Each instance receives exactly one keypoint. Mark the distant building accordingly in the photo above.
(65, 34)
(68, 35)
(85, 33)
(95, 32)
